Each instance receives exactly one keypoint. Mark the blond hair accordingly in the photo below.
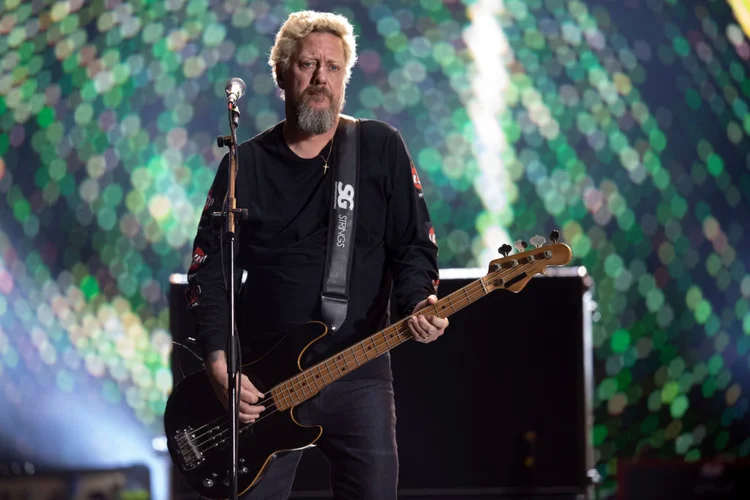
(300, 24)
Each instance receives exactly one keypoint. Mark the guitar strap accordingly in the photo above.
(342, 224)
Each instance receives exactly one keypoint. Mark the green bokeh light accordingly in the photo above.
(557, 115)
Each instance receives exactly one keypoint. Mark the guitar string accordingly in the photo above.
(357, 347)
(400, 330)
(213, 439)
(217, 439)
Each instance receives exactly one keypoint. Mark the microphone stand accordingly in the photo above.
(229, 212)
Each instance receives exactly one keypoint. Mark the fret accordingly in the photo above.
(328, 366)
(369, 348)
(484, 286)
(387, 341)
(404, 335)
(302, 386)
(466, 292)
(287, 397)
(298, 389)
(306, 385)
(293, 391)
(346, 362)
(276, 397)
(336, 364)
(354, 353)
(395, 332)
(316, 377)
(442, 312)
(365, 350)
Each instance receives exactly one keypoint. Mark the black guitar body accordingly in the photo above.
(197, 425)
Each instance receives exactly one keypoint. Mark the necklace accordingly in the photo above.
(325, 164)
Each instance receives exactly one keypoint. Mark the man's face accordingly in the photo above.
(314, 82)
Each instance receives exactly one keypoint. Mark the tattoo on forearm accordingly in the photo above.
(216, 356)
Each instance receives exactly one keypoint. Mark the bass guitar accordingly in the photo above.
(198, 433)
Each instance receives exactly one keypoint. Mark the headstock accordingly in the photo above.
(513, 272)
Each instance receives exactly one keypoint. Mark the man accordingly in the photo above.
(283, 181)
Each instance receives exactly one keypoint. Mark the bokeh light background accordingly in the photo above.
(625, 123)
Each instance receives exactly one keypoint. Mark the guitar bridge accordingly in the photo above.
(188, 446)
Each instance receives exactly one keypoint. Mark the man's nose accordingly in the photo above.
(320, 76)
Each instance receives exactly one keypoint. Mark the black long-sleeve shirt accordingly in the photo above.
(283, 243)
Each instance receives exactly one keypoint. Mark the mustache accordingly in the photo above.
(317, 90)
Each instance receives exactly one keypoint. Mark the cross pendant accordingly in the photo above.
(325, 168)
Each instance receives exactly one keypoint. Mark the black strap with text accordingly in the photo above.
(342, 224)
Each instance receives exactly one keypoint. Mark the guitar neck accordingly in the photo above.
(309, 382)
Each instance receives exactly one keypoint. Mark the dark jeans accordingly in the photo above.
(359, 441)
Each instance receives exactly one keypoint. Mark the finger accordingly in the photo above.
(419, 305)
(248, 397)
(438, 322)
(431, 300)
(252, 410)
(417, 331)
(248, 418)
(417, 327)
(245, 391)
(248, 386)
(250, 413)
(413, 328)
(427, 327)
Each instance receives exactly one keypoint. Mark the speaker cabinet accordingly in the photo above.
(500, 406)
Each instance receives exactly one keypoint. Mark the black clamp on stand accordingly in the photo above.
(234, 89)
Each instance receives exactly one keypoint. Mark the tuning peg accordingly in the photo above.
(554, 236)
(505, 249)
(537, 241)
(520, 245)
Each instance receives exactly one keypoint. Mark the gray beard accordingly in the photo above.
(314, 121)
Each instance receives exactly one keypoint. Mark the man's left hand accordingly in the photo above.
(427, 327)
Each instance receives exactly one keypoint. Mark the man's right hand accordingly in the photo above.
(216, 367)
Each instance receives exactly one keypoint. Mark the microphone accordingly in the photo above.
(235, 89)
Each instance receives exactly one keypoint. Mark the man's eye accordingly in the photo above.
(334, 67)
